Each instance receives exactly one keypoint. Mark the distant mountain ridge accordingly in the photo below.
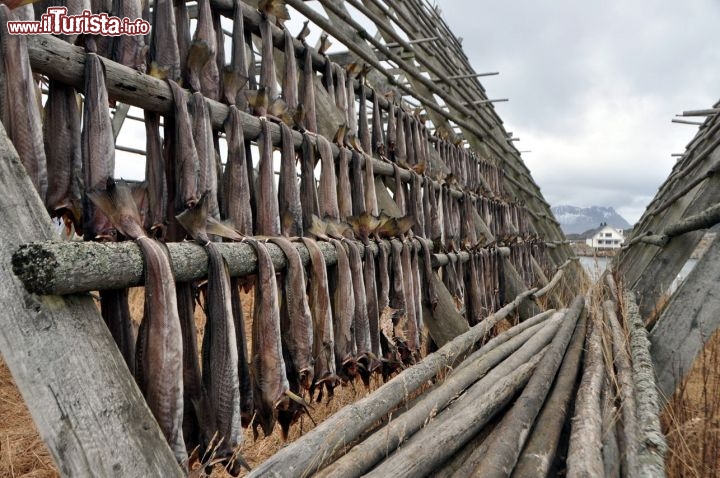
(576, 220)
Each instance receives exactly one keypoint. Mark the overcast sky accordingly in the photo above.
(593, 87)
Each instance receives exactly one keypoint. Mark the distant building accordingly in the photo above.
(606, 238)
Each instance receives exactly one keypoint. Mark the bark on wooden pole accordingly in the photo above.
(346, 425)
(585, 452)
(364, 455)
(455, 426)
(505, 449)
(652, 446)
(539, 452)
(72, 377)
(626, 388)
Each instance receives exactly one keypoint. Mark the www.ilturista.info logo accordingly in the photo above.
(56, 21)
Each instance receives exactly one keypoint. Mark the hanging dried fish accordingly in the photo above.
(268, 75)
(268, 366)
(155, 176)
(363, 343)
(290, 80)
(61, 132)
(323, 331)
(129, 50)
(344, 193)
(343, 307)
(159, 348)
(383, 275)
(363, 127)
(308, 89)
(186, 156)
(341, 98)
(291, 220)
(373, 311)
(357, 180)
(399, 196)
(308, 190)
(23, 123)
(416, 203)
(295, 317)
(182, 27)
(203, 143)
(221, 402)
(115, 310)
(237, 193)
(202, 70)
(327, 188)
(352, 119)
(329, 78)
(98, 145)
(400, 144)
(371, 204)
(235, 75)
(377, 139)
(164, 50)
(267, 221)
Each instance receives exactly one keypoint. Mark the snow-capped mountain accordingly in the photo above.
(575, 220)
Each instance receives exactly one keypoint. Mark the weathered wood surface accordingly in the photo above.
(84, 402)
(652, 445)
(688, 321)
(363, 456)
(539, 452)
(346, 425)
(513, 431)
(585, 453)
(69, 267)
(626, 389)
(455, 426)
(445, 322)
(513, 286)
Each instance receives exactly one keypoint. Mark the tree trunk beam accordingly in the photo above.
(513, 431)
(652, 445)
(539, 452)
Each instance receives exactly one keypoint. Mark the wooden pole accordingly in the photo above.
(70, 267)
(347, 424)
(652, 445)
(363, 456)
(539, 452)
(455, 426)
(585, 453)
(72, 377)
(505, 449)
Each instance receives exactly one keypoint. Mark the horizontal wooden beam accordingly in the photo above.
(60, 268)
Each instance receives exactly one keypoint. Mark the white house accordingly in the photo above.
(606, 238)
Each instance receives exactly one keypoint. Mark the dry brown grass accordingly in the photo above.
(691, 419)
(22, 452)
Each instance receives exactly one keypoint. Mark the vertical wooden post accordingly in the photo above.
(72, 377)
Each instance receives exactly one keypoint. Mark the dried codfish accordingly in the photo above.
(327, 188)
(219, 349)
(61, 132)
(344, 194)
(187, 163)
(115, 310)
(164, 50)
(267, 220)
(323, 331)
(98, 144)
(343, 307)
(358, 189)
(203, 74)
(235, 75)
(308, 190)
(268, 75)
(237, 193)
(155, 176)
(203, 139)
(363, 342)
(159, 348)
(129, 50)
(289, 204)
(268, 366)
(308, 89)
(22, 123)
